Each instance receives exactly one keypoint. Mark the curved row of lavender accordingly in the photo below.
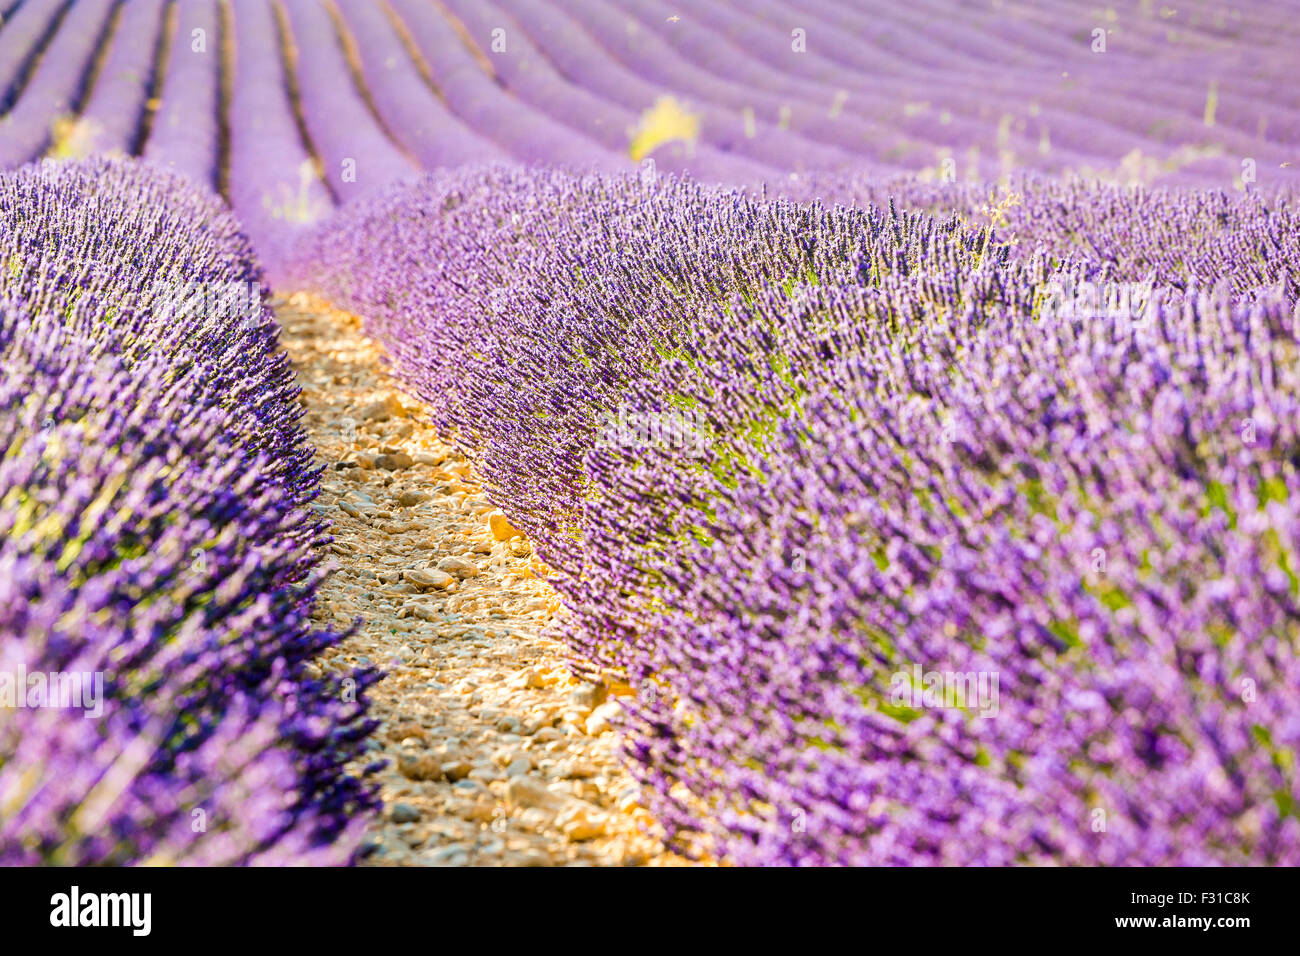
(350, 98)
(804, 474)
(158, 548)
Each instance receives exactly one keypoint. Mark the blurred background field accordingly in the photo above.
(823, 357)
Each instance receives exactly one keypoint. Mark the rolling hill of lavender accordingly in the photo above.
(903, 398)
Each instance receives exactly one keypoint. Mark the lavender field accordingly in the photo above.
(526, 432)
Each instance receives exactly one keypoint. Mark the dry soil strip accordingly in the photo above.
(496, 755)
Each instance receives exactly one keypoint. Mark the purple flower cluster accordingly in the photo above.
(157, 544)
(1176, 238)
(1098, 517)
(905, 474)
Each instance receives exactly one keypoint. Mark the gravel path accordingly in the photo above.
(497, 756)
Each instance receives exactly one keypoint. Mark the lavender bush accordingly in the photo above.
(156, 535)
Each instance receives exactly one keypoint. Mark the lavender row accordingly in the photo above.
(157, 543)
(415, 114)
(734, 93)
(1173, 238)
(469, 91)
(21, 36)
(729, 151)
(895, 559)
